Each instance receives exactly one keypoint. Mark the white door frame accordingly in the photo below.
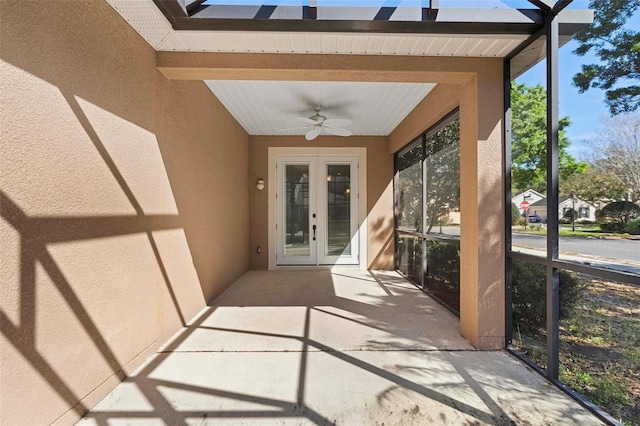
(361, 153)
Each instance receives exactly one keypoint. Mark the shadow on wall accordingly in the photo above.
(116, 340)
(98, 260)
(36, 233)
(381, 233)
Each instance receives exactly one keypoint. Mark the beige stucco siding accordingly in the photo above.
(480, 101)
(206, 155)
(122, 211)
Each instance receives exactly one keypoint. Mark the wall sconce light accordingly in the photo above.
(260, 184)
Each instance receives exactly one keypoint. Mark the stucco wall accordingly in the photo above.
(206, 154)
(443, 99)
(379, 194)
(118, 190)
(482, 241)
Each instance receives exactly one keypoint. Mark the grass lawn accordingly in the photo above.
(581, 231)
(599, 347)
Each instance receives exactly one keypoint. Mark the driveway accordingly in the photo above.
(339, 346)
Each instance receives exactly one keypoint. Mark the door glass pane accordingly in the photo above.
(338, 210)
(297, 210)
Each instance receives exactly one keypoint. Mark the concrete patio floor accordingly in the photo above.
(331, 346)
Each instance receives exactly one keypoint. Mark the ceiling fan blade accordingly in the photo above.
(312, 134)
(307, 121)
(338, 131)
(336, 122)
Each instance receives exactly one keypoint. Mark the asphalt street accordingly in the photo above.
(619, 254)
(615, 249)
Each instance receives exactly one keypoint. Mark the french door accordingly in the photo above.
(317, 210)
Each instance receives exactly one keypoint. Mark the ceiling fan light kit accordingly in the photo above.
(319, 123)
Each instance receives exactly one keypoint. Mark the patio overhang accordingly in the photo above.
(424, 17)
(302, 28)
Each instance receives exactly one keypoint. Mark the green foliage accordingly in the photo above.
(614, 216)
(442, 163)
(409, 165)
(443, 272)
(618, 49)
(576, 379)
(515, 214)
(592, 185)
(609, 393)
(529, 282)
(444, 263)
(604, 391)
(528, 144)
(442, 173)
(633, 227)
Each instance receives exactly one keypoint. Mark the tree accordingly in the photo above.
(617, 152)
(442, 185)
(593, 185)
(515, 214)
(615, 216)
(442, 173)
(409, 166)
(619, 50)
(529, 138)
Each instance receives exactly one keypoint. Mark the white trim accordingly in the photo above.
(361, 153)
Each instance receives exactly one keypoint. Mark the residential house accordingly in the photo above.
(530, 195)
(586, 210)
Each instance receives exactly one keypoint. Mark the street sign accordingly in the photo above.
(524, 205)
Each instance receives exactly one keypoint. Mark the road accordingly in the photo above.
(617, 249)
(618, 254)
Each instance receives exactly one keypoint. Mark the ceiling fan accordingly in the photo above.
(318, 123)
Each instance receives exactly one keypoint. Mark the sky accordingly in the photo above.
(586, 111)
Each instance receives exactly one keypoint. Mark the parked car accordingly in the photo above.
(534, 218)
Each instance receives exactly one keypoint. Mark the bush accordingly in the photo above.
(515, 214)
(612, 227)
(633, 227)
(529, 301)
(444, 263)
(614, 216)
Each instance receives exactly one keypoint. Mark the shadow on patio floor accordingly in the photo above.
(339, 346)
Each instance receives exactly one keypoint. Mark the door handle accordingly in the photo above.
(314, 232)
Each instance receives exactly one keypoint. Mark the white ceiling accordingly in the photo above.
(268, 107)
